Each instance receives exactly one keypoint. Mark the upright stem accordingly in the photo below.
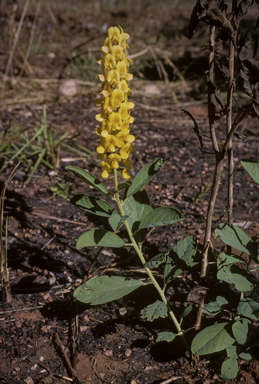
(229, 125)
(149, 273)
(218, 158)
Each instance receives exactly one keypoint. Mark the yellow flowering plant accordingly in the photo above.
(133, 211)
(115, 139)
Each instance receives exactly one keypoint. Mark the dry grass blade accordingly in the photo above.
(33, 29)
(16, 38)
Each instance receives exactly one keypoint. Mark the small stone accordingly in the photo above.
(68, 88)
(28, 380)
(86, 318)
(108, 353)
(41, 358)
(34, 367)
(45, 328)
(49, 299)
(128, 352)
(83, 328)
(18, 324)
(52, 280)
(122, 311)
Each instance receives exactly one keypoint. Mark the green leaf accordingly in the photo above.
(215, 307)
(232, 352)
(92, 205)
(166, 336)
(229, 369)
(124, 185)
(116, 221)
(252, 168)
(249, 308)
(235, 237)
(136, 207)
(237, 276)
(160, 217)
(180, 257)
(145, 175)
(167, 271)
(224, 259)
(186, 312)
(88, 178)
(101, 238)
(154, 311)
(184, 249)
(104, 289)
(240, 330)
(212, 339)
(245, 356)
(156, 260)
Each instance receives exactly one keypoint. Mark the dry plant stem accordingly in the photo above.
(148, 271)
(71, 371)
(218, 167)
(17, 34)
(229, 125)
(6, 288)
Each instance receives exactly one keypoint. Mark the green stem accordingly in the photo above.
(143, 261)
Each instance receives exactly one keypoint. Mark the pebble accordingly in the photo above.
(83, 328)
(18, 324)
(108, 353)
(128, 352)
(28, 380)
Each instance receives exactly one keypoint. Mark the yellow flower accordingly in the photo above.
(115, 138)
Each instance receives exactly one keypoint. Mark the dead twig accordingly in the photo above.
(21, 310)
(70, 370)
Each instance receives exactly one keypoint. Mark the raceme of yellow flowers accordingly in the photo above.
(115, 139)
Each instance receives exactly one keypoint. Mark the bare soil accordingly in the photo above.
(114, 344)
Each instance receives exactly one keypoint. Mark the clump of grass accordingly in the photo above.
(41, 147)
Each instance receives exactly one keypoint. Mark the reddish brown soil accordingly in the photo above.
(114, 344)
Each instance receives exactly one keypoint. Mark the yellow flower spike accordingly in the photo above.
(106, 169)
(125, 174)
(114, 160)
(123, 86)
(124, 112)
(126, 150)
(117, 52)
(130, 138)
(115, 138)
(128, 163)
(114, 34)
(115, 119)
(98, 130)
(117, 97)
(109, 61)
(107, 45)
(122, 69)
(113, 77)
